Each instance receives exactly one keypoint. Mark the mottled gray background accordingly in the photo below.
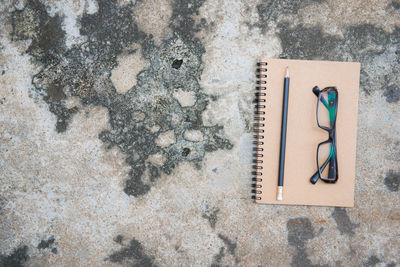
(125, 133)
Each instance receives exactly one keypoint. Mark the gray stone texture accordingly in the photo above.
(125, 131)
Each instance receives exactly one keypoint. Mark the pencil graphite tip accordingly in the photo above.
(287, 72)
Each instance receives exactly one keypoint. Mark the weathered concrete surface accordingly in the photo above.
(125, 131)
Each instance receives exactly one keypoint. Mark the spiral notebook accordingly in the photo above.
(303, 134)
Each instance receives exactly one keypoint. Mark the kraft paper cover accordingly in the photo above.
(303, 134)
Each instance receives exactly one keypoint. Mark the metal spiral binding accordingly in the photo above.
(260, 100)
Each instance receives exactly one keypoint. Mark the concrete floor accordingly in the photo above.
(125, 131)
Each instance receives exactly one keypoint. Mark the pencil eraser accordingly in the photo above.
(280, 190)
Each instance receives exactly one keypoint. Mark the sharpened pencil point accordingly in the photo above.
(287, 72)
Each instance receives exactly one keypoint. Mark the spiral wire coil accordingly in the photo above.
(259, 118)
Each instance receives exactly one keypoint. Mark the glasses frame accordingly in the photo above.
(333, 173)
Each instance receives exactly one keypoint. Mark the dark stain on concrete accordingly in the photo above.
(338, 263)
(344, 225)
(231, 246)
(55, 92)
(18, 258)
(218, 258)
(3, 200)
(365, 43)
(270, 10)
(119, 239)
(372, 261)
(45, 32)
(321, 229)
(300, 230)
(360, 42)
(46, 243)
(211, 216)
(132, 254)
(46, 47)
(396, 5)
(306, 43)
(392, 181)
(392, 93)
(177, 63)
(183, 23)
(84, 71)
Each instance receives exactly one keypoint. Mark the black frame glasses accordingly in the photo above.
(328, 97)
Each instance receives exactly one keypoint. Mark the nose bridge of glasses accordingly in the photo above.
(332, 135)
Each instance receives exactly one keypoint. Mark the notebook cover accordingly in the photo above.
(303, 134)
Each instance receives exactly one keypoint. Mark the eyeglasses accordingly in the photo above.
(327, 106)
